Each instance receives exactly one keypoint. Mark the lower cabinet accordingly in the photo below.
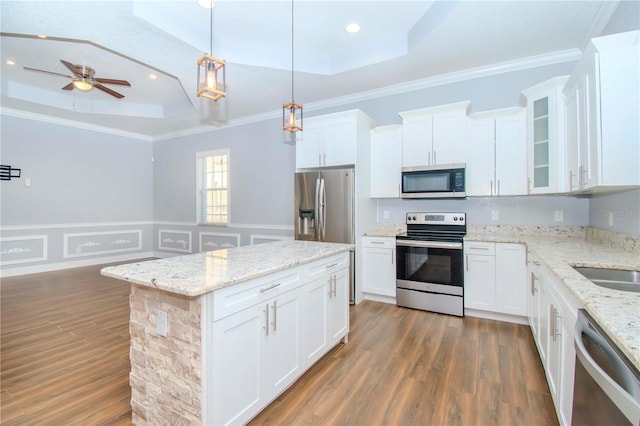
(495, 277)
(379, 270)
(278, 330)
(552, 316)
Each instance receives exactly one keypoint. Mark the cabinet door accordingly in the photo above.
(281, 354)
(235, 381)
(511, 155)
(338, 312)
(479, 282)
(568, 368)
(386, 161)
(379, 271)
(540, 146)
(592, 95)
(573, 126)
(315, 320)
(543, 317)
(511, 279)
(417, 142)
(554, 350)
(309, 147)
(480, 167)
(533, 300)
(340, 142)
(449, 137)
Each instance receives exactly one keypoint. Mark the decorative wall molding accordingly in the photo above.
(73, 225)
(259, 239)
(174, 240)
(23, 249)
(218, 240)
(99, 243)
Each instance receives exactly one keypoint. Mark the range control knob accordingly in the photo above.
(455, 218)
(461, 219)
(414, 218)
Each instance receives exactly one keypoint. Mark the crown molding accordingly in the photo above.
(602, 18)
(10, 112)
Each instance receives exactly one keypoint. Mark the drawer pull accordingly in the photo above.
(478, 248)
(262, 290)
(331, 266)
(377, 242)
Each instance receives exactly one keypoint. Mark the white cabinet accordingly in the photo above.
(386, 161)
(495, 278)
(546, 138)
(434, 135)
(263, 334)
(379, 260)
(603, 110)
(496, 149)
(330, 140)
(480, 276)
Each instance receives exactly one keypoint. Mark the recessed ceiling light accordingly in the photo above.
(9, 62)
(352, 28)
(207, 4)
(42, 36)
(153, 76)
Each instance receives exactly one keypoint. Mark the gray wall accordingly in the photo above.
(623, 206)
(91, 195)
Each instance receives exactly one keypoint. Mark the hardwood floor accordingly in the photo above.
(65, 360)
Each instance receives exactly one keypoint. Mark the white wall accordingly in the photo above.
(624, 207)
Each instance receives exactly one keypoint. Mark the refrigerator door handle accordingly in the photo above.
(317, 209)
(323, 210)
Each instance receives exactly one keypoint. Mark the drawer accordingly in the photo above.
(479, 247)
(232, 299)
(379, 242)
(328, 265)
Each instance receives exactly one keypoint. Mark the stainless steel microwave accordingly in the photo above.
(441, 181)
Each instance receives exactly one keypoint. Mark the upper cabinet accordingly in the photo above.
(496, 149)
(434, 135)
(331, 140)
(603, 113)
(546, 139)
(386, 161)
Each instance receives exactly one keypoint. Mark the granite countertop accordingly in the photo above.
(617, 312)
(200, 273)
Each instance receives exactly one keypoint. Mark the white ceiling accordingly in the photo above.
(400, 42)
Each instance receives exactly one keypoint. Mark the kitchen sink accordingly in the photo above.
(616, 279)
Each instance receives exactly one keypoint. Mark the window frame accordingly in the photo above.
(200, 169)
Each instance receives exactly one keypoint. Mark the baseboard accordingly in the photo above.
(35, 269)
(496, 316)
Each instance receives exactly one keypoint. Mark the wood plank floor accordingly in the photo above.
(64, 360)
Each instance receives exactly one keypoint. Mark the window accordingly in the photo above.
(213, 187)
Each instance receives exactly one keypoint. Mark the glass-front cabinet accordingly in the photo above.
(546, 137)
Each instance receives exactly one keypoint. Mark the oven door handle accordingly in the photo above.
(429, 244)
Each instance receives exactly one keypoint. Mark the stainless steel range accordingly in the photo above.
(429, 267)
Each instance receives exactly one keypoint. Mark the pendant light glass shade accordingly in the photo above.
(292, 117)
(212, 81)
(292, 111)
(211, 77)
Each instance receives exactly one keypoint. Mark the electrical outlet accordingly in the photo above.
(610, 218)
(161, 324)
(27, 182)
(385, 214)
(495, 214)
(559, 216)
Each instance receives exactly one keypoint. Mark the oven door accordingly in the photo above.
(423, 263)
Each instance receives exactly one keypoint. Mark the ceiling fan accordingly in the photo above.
(83, 79)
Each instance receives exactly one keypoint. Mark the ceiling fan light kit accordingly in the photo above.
(212, 80)
(292, 111)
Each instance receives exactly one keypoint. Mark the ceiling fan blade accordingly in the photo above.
(68, 86)
(112, 81)
(109, 91)
(46, 72)
(71, 67)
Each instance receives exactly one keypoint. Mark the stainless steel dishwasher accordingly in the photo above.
(606, 386)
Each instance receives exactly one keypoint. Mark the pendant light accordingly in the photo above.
(292, 111)
(211, 70)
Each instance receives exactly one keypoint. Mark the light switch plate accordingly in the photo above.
(495, 214)
(559, 216)
(385, 214)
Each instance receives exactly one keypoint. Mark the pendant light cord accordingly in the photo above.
(292, 100)
(211, 29)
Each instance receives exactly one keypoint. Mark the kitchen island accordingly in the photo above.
(217, 336)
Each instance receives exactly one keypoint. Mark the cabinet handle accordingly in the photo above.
(492, 187)
(377, 242)
(330, 292)
(466, 263)
(324, 159)
(393, 257)
(570, 180)
(529, 185)
(262, 290)
(331, 266)
(275, 310)
(319, 159)
(266, 321)
(498, 186)
(429, 159)
(478, 248)
(335, 286)
(434, 157)
(535, 262)
(533, 283)
(552, 322)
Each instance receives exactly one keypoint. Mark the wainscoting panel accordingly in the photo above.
(218, 240)
(24, 249)
(260, 239)
(174, 240)
(99, 243)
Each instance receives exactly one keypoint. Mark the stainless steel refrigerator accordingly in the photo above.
(324, 203)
